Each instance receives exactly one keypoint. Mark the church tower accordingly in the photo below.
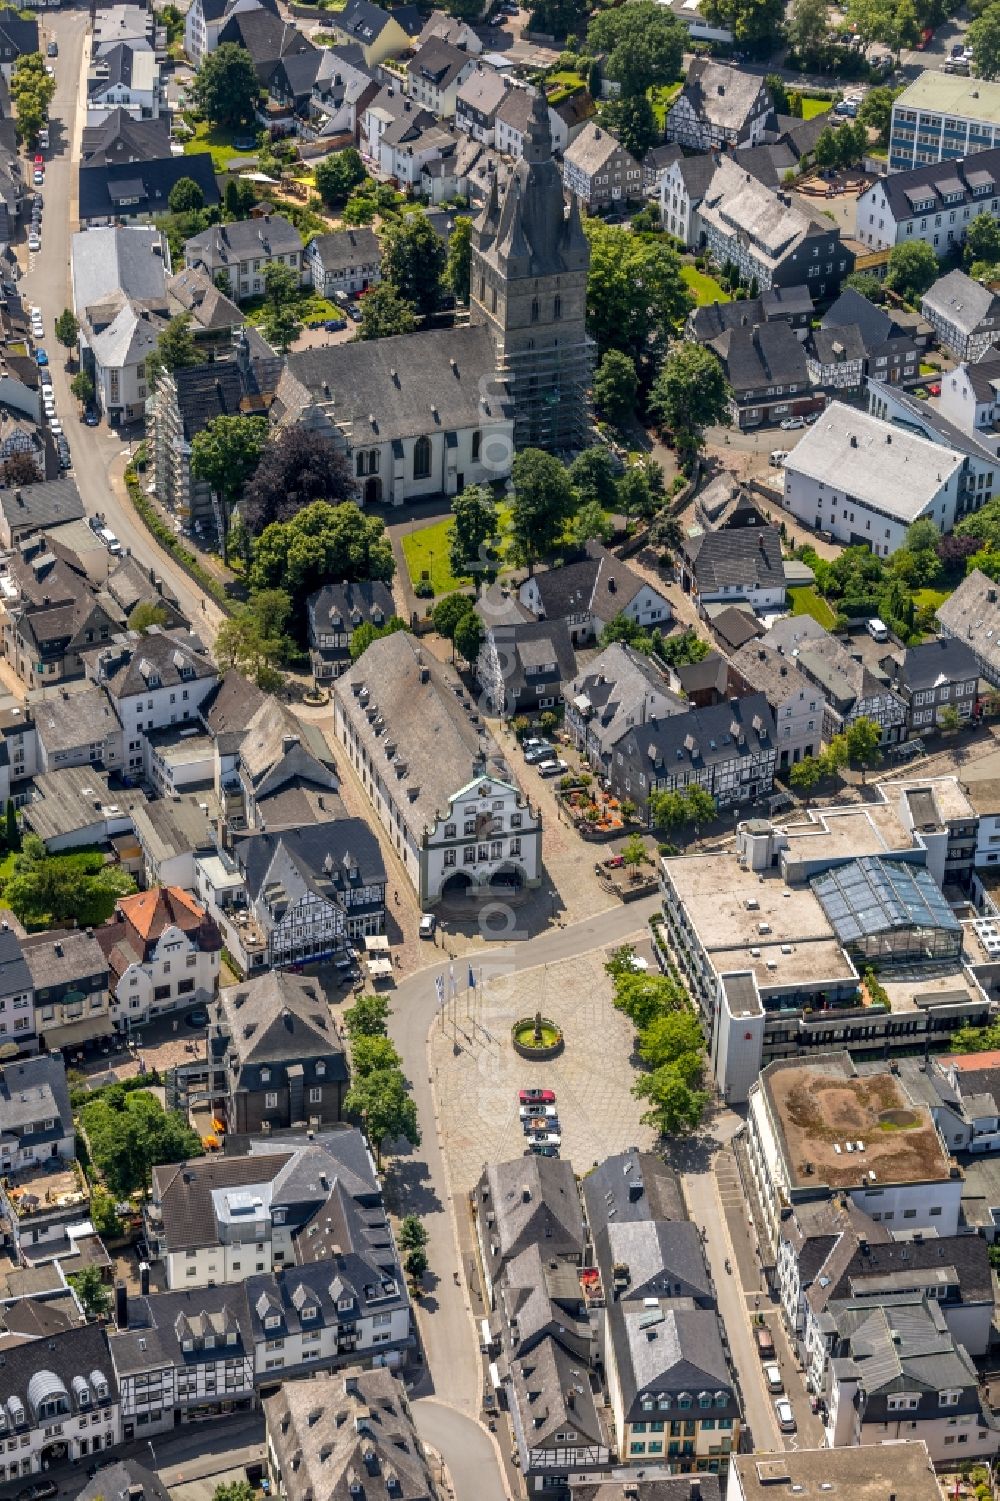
(530, 259)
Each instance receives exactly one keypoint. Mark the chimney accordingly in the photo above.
(144, 1278)
(121, 1305)
(525, 1194)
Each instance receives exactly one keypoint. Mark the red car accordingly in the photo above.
(536, 1097)
(935, 389)
(926, 36)
(39, 159)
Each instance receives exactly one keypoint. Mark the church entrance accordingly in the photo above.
(373, 490)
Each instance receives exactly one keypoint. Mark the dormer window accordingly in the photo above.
(187, 1345)
(272, 1321)
(309, 1311)
(265, 1076)
(320, 1070)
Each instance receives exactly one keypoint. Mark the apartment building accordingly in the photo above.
(241, 252)
(163, 951)
(940, 117)
(935, 203)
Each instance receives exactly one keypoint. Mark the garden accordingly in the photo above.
(595, 813)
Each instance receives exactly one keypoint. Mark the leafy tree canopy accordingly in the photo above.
(615, 386)
(413, 262)
(366, 633)
(636, 297)
(226, 87)
(912, 268)
(130, 1133)
(384, 313)
(473, 535)
(544, 501)
(632, 120)
(47, 890)
(338, 175)
(296, 468)
(320, 542)
(186, 196)
(984, 39)
(752, 22)
(689, 394)
(644, 43)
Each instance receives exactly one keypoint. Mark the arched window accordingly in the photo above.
(422, 458)
(361, 463)
(557, 308)
(482, 288)
(534, 310)
(493, 300)
(373, 461)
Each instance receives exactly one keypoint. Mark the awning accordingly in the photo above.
(376, 943)
(379, 969)
(75, 1034)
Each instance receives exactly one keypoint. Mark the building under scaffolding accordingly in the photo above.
(530, 259)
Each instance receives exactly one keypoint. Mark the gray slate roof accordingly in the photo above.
(276, 1017)
(960, 301)
(631, 1186)
(31, 1089)
(31, 508)
(747, 557)
(123, 258)
(346, 247)
(722, 95)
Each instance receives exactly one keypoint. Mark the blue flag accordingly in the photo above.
(472, 979)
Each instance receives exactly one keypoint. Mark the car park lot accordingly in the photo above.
(478, 1078)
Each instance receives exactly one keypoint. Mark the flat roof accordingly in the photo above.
(820, 1107)
(832, 833)
(818, 959)
(715, 893)
(880, 465)
(953, 804)
(915, 988)
(953, 95)
(839, 1474)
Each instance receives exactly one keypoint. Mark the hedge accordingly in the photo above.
(155, 524)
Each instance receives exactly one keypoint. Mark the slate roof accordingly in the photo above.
(902, 1342)
(777, 676)
(399, 380)
(636, 1186)
(703, 737)
(531, 1199)
(128, 339)
(229, 709)
(365, 22)
(620, 686)
(82, 1351)
(18, 32)
(552, 1389)
(105, 191)
(278, 1017)
(346, 247)
(372, 1280)
(74, 717)
(439, 62)
(541, 645)
(121, 258)
(120, 139)
(838, 346)
(158, 1323)
(329, 858)
(483, 90)
(696, 173)
(131, 662)
(167, 827)
(721, 95)
(682, 1352)
(779, 303)
(929, 184)
(32, 1090)
(936, 662)
(193, 291)
(31, 508)
(737, 204)
(743, 557)
(662, 1259)
(322, 1430)
(767, 355)
(229, 244)
(966, 1255)
(960, 301)
(601, 584)
(973, 615)
(114, 1480)
(183, 1192)
(205, 392)
(593, 149)
(267, 37)
(874, 323)
(663, 1488)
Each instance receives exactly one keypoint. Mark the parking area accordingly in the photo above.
(477, 1075)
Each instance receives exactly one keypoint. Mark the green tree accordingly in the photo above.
(416, 1263)
(366, 633)
(234, 1490)
(673, 810)
(633, 852)
(473, 535)
(779, 94)
(175, 348)
(639, 491)
(319, 543)
(459, 263)
(615, 386)
(413, 261)
(226, 87)
(636, 296)
(253, 639)
(645, 997)
(67, 328)
(412, 1234)
(922, 535)
(873, 20)
(239, 198)
(91, 1289)
(672, 1037)
(689, 394)
(644, 43)
(632, 121)
(593, 477)
(337, 176)
(544, 502)
(984, 39)
(186, 197)
(912, 268)
(146, 613)
(553, 17)
(827, 151)
(805, 774)
(385, 1108)
(875, 111)
(384, 313)
(869, 286)
(982, 239)
(674, 1108)
(371, 1054)
(754, 23)
(948, 718)
(47, 890)
(864, 740)
(281, 293)
(446, 615)
(225, 454)
(297, 467)
(469, 637)
(129, 1135)
(592, 524)
(976, 1039)
(368, 1017)
(103, 1214)
(82, 387)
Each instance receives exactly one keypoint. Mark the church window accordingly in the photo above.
(493, 299)
(361, 463)
(482, 288)
(534, 310)
(531, 343)
(422, 458)
(373, 461)
(557, 308)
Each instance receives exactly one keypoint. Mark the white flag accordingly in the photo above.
(439, 987)
(451, 981)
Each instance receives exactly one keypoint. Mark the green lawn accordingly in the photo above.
(705, 288)
(806, 601)
(933, 598)
(562, 83)
(309, 306)
(217, 139)
(661, 97)
(812, 107)
(427, 551)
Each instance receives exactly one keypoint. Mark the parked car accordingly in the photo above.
(786, 1417)
(38, 177)
(765, 1342)
(34, 243)
(45, 376)
(958, 50)
(334, 325)
(541, 1149)
(65, 457)
(556, 768)
(52, 50)
(38, 1490)
(354, 312)
(536, 1097)
(772, 1375)
(529, 1112)
(41, 358)
(877, 629)
(535, 742)
(539, 755)
(428, 925)
(934, 388)
(548, 1139)
(91, 416)
(790, 424)
(55, 427)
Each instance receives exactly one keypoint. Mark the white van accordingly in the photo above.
(110, 541)
(877, 629)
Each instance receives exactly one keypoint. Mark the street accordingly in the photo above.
(99, 455)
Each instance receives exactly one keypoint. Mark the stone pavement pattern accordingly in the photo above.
(477, 1074)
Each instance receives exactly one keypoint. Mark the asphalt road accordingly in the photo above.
(98, 454)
